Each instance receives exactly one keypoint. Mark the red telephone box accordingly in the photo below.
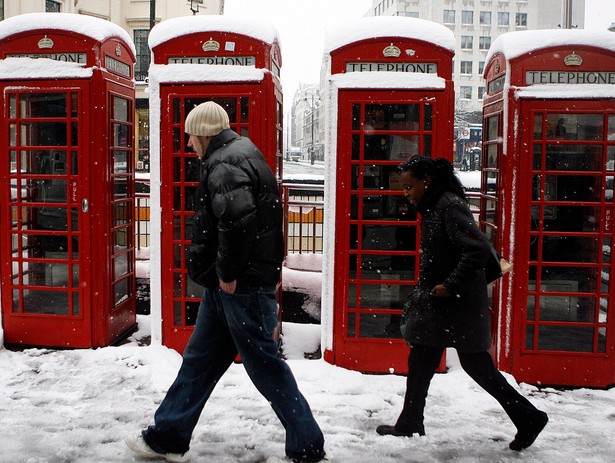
(391, 92)
(66, 188)
(196, 59)
(547, 203)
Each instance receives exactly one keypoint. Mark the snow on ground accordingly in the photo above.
(60, 406)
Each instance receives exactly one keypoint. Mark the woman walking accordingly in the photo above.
(449, 306)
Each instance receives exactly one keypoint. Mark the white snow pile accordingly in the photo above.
(60, 406)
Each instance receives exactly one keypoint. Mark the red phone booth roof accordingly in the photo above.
(95, 28)
(350, 32)
(178, 27)
(515, 44)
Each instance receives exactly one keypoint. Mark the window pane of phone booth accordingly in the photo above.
(537, 165)
(43, 133)
(41, 105)
(373, 325)
(538, 126)
(574, 157)
(570, 188)
(575, 126)
(427, 117)
(572, 218)
(492, 128)
(570, 278)
(568, 338)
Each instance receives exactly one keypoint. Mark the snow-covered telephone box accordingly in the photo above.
(389, 95)
(235, 63)
(547, 203)
(66, 180)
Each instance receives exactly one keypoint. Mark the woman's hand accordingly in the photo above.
(440, 291)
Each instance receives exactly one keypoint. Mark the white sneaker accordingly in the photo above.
(137, 444)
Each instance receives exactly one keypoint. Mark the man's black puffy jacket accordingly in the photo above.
(237, 230)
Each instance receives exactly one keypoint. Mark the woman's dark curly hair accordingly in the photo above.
(439, 170)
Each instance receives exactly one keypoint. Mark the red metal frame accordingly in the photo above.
(71, 175)
(553, 323)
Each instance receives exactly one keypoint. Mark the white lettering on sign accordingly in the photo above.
(79, 58)
(114, 65)
(425, 68)
(569, 77)
(216, 60)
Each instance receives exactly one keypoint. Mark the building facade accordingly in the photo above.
(476, 24)
(136, 17)
(306, 124)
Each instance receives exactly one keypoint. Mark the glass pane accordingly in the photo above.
(121, 265)
(120, 109)
(356, 117)
(572, 218)
(120, 188)
(45, 302)
(567, 308)
(492, 128)
(74, 111)
(574, 157)
(492, 156)
(427, 119)
(570, 249)
(12, 106)
(571, 188)
(120, 161)
(43, 133)
(121, 290)
(610, 158)
(74, 134)
(245, 108)
(352, 318)
(43, 105)
(120, 135)
(401, 147)
(575, 126)
(564, 338)
(537, 126)
(568, 279)
(537, 157)
(379, 325)
(388, 237)
(356, 147)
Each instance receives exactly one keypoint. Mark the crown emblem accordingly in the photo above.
(211, 45)
(118, 50)
(45, 42)
(497, 67)
(391, 51)
(573, 60)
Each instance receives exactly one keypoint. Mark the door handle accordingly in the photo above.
(85, 205)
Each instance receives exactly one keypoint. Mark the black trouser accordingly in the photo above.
(422, 364)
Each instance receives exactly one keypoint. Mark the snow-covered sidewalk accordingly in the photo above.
(60, 406)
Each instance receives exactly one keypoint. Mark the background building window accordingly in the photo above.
(484, 42)
(448, 16)
(465, 92)
(481, 67)
(52, 7)
(466, 67)
(1, 10)
(521, 19)
(485, 18)
(412, 14)
(467, 17)
(143, 54)
(481, 92)
(503, 18)
(467, 42)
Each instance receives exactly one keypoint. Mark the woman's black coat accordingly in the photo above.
(453, 253)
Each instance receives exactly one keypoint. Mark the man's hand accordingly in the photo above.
(229, 287)
(440, 291)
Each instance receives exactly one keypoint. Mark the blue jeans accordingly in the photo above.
(228, 324)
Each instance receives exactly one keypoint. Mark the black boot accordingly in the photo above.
(526, 436)
(387, 430)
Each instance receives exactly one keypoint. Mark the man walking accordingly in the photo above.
(236, 254)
